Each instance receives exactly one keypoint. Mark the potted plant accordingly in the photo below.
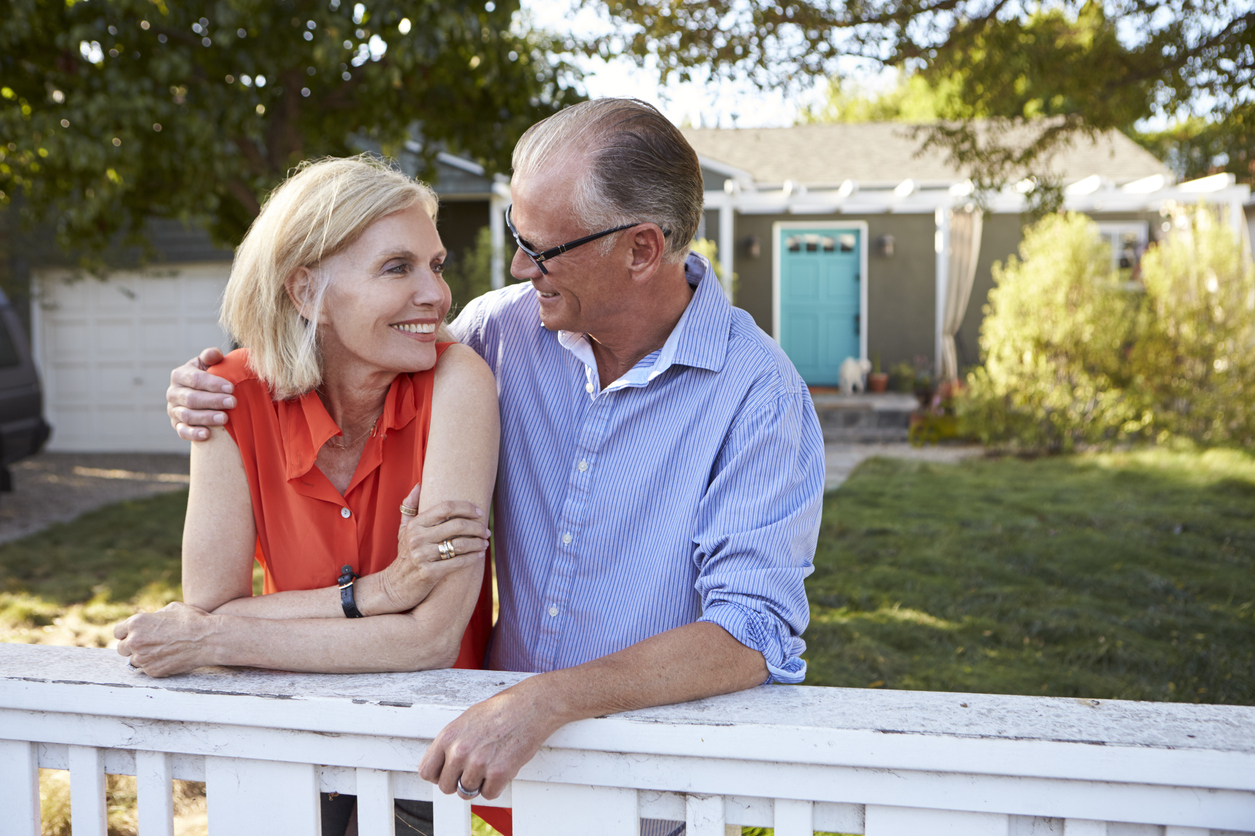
(923, 381)
(902, 377)
(877, 381)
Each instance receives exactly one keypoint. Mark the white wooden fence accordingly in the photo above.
(880, 763)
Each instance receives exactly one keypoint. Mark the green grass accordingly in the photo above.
(1116, 575)
(70, 583)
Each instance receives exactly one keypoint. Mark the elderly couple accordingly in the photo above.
(658, 491)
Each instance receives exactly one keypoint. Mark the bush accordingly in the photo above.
(1194, 361)
(470, 274)
(1056, 331)
(1073, 356)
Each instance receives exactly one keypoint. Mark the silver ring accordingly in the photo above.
(465, 793)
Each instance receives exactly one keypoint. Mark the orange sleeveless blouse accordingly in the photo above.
(305, 529)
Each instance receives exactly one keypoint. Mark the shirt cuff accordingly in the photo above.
(780, 648)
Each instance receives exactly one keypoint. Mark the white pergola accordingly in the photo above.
(1094, 194)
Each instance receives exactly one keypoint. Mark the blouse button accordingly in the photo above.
(566, 538)
(588, 387)
(553, 612)
(583, 466)
(346, 513)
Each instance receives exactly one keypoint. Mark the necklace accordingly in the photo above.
(343, 442)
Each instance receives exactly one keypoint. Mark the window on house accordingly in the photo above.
(1128, 242)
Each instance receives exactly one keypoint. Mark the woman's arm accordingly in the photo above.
(460, 465)
(306, 630)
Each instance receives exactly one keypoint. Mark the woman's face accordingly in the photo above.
(386, 298)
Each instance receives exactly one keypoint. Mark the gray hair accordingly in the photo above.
(640, 168)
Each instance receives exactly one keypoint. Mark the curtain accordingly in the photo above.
(965, 231)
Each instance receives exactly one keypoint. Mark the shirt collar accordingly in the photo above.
(699, 339)
(307, 425)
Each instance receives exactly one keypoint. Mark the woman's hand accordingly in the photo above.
(421, 554)
(169, 641)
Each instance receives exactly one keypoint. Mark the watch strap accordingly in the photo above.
(347, 601)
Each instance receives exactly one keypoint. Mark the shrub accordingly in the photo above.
(1072, 356)
(470, 274)
(1194, 361)
(1057, 328)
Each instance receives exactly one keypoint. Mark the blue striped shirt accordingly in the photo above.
(689, 489)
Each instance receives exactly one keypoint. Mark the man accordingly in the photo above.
(661, 472)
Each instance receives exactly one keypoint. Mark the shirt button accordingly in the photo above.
(566, 538)
(553, 611)
(583, 466)
(346, 513)
(588, 387)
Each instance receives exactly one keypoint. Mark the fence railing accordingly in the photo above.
(799, 759)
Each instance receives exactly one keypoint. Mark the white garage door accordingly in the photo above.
(105, 350)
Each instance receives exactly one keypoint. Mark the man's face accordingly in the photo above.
(583, 289)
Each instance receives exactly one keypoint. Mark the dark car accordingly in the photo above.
(23, 430)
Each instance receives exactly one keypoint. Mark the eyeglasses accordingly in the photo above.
(539, 258)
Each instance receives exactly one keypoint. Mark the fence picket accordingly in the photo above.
(374, 802)
(19, 775)
(87, 791)
(153, 784)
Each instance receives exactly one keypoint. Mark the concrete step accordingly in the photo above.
(864, 418)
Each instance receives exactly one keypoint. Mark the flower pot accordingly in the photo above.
(877, 382)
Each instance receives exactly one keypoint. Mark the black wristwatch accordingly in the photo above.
(347, 576)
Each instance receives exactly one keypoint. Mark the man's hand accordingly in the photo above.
(194, 395)
(487, 746)
(490, 742)
(165, 642)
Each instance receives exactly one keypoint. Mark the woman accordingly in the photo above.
(347, 401)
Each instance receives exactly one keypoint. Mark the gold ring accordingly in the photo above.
(447, 551)
(408, 511)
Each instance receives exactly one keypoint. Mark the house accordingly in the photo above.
(848, 242)
(105, 348)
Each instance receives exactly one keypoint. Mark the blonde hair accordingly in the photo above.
(640, 168)
(314, 214)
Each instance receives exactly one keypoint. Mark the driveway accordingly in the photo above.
(57, 487)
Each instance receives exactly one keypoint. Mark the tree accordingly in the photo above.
(114, 111)
(1198, 146)
(1092, 65)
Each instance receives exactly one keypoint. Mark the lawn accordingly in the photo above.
(1113, 575)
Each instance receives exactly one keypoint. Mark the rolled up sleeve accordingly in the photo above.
(757, 528)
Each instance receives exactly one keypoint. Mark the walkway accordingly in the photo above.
(58, 487)
(841, 459)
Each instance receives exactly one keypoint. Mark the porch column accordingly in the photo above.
(726, 245)
(941, 243)
(497, 204)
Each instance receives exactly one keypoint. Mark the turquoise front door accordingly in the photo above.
(820, 318)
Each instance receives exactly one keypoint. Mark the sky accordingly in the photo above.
(724, 104)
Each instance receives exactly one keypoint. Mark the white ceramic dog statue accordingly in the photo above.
(854, 375)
